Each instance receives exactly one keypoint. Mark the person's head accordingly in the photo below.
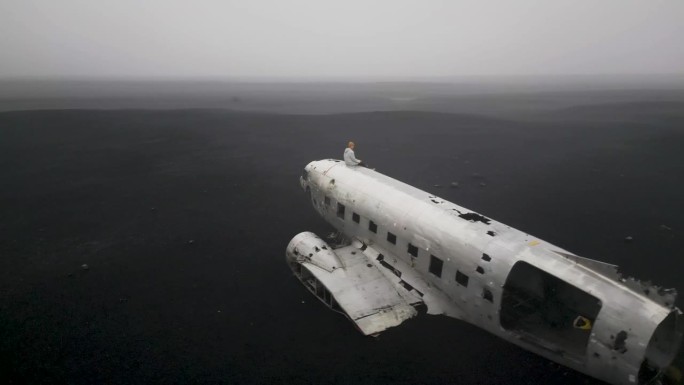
(351, 145)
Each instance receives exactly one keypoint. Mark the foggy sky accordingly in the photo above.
(338, 39)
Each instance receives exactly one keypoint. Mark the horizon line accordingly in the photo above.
(485, 78)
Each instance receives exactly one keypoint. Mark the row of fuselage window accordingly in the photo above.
(436, 264)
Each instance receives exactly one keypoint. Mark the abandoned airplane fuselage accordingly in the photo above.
(410, 248)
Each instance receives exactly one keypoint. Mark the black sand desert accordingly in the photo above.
(142, 245)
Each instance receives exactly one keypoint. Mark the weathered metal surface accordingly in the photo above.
(357, 285)
(521, 288)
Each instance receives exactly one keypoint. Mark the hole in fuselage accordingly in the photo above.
(542, 309)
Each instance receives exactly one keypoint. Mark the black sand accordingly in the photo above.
(182, 217)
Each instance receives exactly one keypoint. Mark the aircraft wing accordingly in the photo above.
(374, 289)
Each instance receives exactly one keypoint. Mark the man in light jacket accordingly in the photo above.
(349, 158)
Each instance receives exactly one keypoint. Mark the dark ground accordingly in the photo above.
(126, 191)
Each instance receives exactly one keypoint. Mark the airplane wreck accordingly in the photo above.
(407, 248)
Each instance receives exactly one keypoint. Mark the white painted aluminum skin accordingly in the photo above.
(410, 249)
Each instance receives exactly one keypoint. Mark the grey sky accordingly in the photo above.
(322, 39)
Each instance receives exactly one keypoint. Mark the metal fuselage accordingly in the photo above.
(574, 311)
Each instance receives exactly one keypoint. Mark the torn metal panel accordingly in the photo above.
(607, 269)
(665, 297)
(575, 311)
(401, 273)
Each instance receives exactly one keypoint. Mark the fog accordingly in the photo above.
(397, 40)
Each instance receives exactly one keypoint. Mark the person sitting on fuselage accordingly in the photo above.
(349, 158)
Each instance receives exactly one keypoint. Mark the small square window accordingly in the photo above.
(340, 210)
(326, 200)
(486, 258)
(391, 238)
(372, 227)
(413, 250)
(436, 265)
(480, 270)
(487, 295)
(461, 279)
(356, 218)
